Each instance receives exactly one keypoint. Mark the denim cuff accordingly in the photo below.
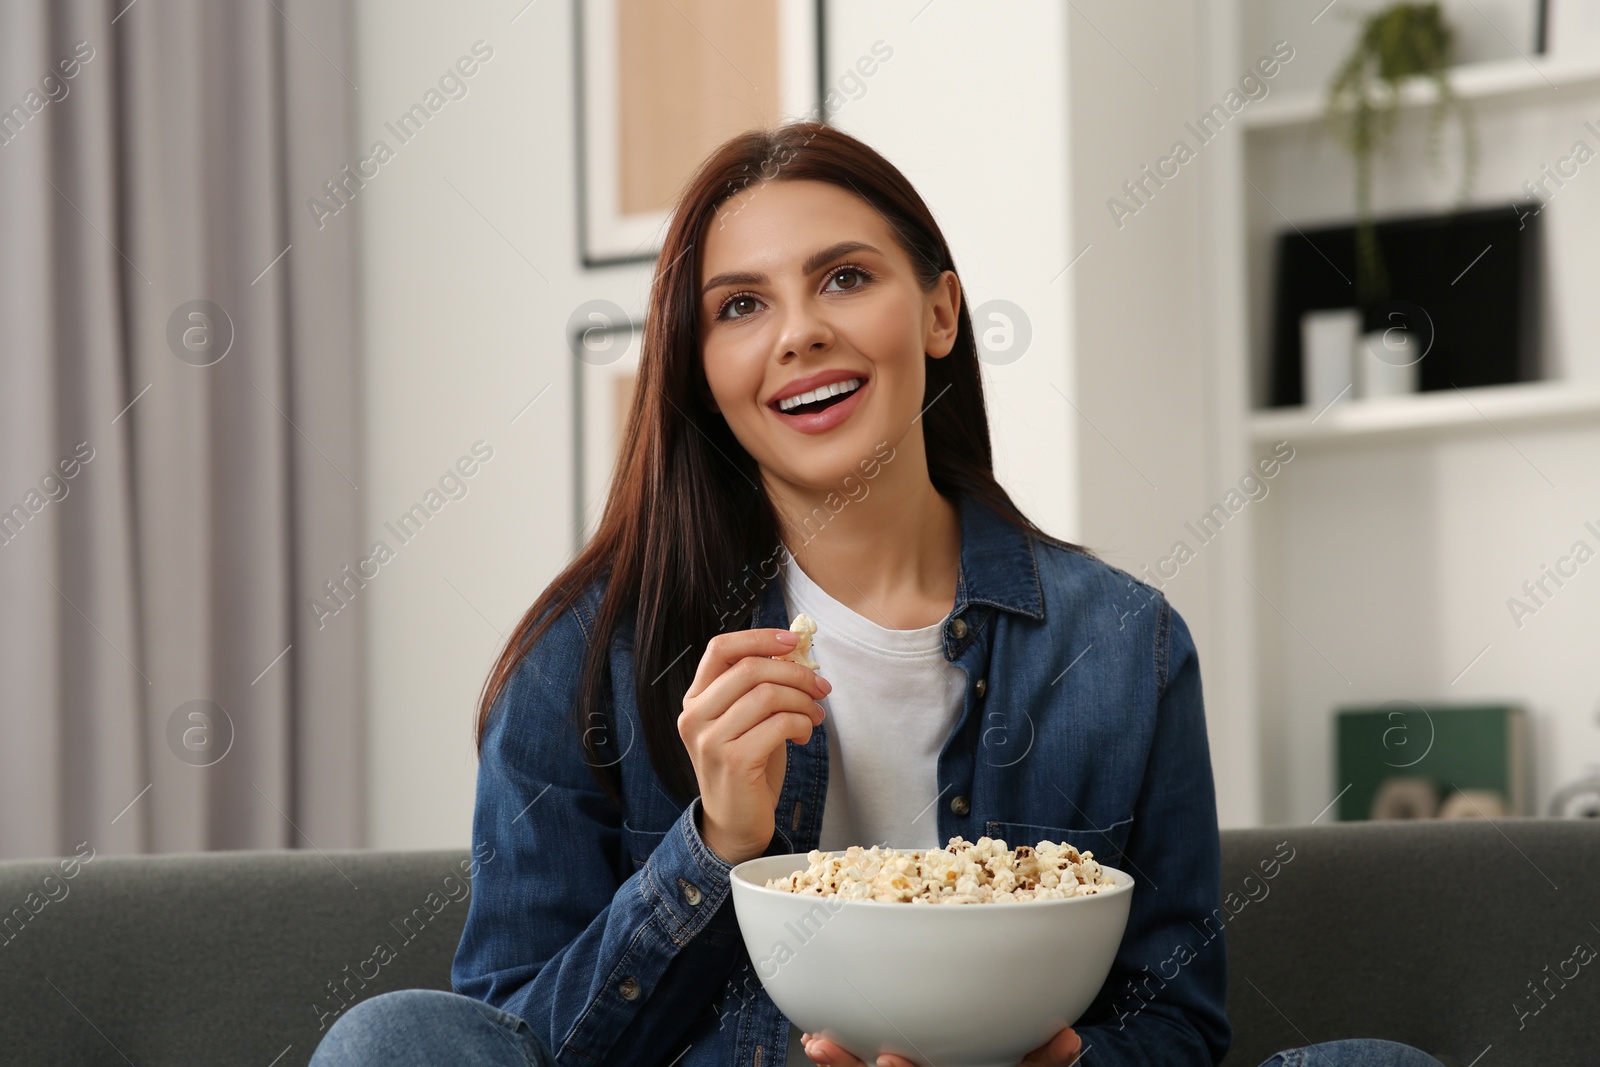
(686, 881)
(697, 844)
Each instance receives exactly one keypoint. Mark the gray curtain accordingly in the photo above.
(179, 432)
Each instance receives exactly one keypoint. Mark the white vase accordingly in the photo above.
(1386, 363)
(1327, 343)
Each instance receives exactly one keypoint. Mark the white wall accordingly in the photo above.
(973, 109)
(1151, 455)
(470, 261)
(462, 330)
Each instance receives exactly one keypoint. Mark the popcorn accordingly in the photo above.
(962, 872)
(806, 627)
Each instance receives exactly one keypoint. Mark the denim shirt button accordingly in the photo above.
(983, 687)
(691, 892)
(959, 627)
(629, 988)
(960, 805)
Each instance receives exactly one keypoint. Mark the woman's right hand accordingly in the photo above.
(741, 708)
(1062, 1050)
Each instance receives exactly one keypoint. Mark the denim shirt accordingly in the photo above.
(612, 932)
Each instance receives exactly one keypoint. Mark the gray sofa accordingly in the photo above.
(1431, 933)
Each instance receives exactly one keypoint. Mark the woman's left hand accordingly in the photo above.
(1059, 1051)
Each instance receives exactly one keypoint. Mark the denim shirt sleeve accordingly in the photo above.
(605, 969)
(1164, 1002)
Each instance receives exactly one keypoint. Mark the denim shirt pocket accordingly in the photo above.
(638, 844)
(1106, 843)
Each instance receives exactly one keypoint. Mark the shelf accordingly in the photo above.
(1486, 409)
(1491, 80)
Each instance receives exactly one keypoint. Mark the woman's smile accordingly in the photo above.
(821, 407)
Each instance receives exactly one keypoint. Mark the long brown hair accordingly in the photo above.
(685, 514)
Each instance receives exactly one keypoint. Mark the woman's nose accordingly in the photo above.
(802, 329)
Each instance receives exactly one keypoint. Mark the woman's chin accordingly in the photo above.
(835, 471)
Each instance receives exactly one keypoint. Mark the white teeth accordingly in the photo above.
(819, 393)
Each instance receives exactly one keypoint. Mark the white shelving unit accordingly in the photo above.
(1497, 80)
(1379, 568)
(1504, 83)
(1486, 409)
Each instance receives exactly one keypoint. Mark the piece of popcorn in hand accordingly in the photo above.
(806, 627)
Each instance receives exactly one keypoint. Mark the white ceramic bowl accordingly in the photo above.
(946, 985)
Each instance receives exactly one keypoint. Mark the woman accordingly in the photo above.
(808, 434)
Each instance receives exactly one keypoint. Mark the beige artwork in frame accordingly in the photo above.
(661, 84)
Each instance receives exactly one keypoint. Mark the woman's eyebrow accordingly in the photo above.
(813, 263)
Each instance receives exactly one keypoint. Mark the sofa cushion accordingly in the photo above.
(1435, 933)
(214, 958)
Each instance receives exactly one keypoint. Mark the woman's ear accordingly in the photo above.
(943, 318)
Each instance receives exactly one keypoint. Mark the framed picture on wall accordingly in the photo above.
(660, 85)
(605, 361)
(1569, 28)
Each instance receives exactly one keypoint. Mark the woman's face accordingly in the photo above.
(803, 286)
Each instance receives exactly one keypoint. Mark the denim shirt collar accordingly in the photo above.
(998, 568)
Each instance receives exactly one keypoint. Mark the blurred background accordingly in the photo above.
(317, 318)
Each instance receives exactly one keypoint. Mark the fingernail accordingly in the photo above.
(787, 637)
(824, 685)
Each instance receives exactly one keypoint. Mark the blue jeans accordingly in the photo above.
(414, 1027)
(434, 1028)
(1352, 1052)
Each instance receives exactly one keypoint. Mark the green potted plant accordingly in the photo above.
(1396, 43)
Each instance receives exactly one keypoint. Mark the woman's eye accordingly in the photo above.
(735, 301)
(857, 273)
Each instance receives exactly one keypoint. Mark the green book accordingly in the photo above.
(1450, 747)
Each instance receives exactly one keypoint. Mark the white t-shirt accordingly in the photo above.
(894, 702)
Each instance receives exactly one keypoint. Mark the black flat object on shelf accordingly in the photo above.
(1466, 282)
